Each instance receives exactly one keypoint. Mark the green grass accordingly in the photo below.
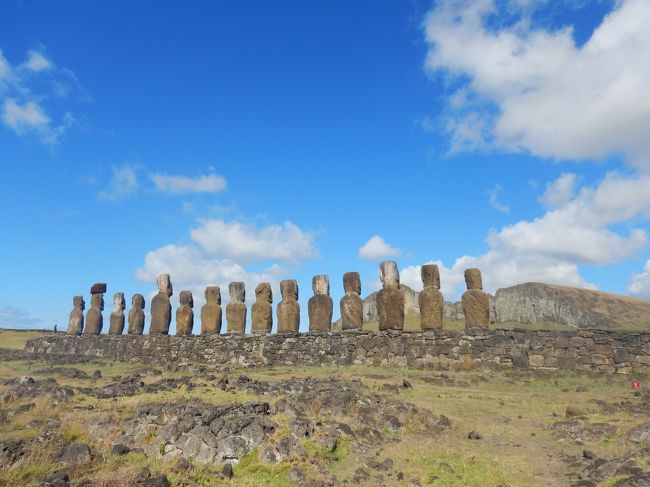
(16, 339)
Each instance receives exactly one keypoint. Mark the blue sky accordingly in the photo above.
(262, 141)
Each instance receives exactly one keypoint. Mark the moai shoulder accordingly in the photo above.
(430, 299)
(236, 308)
(289, 309)
(136, 315)
(351, 303)
(211, 311)
(262, 309)
(475, 303)
(390, 299)
(320, 305)
(76, 321)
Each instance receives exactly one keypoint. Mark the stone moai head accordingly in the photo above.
(321, 285)
(237, 292)
(186, 299)
(79, 303)
(389, 274)
(289, 289)
(97, 301)
(213, 295)
(264, 293)
(137, 301)
(164, 284)
(473, 279)
(118, 302)
(352, 282)
(430, 276)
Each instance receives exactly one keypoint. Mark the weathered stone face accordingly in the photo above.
(76, 321)
(320, 305)
(185, 314)
(476, 307)
(390, 299)
(473, 279)
(116, 324)
(262, 309)
(430, 276)
(136, 315)
(351, 304)
(211, 311)
(237, 292)
(389, 274)
(289, 309)
(352, 282)
(164, 284)
(161, 314)
(431, 308)
(94, 318)
(236, 309)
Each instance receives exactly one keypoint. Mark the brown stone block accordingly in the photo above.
(136, 315)
(116, 322)
(94, 318)
(185, 314)
(320, 305)
(288, 310)
(473, 279)
(430, 276)
(351, 312)
(431, 308)
(161, 314)
(211, 313)
(390, 308)
(98, 288)
(476, 308)
(76, 320)
(262, 309)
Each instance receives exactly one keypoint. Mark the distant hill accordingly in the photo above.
(533, 302)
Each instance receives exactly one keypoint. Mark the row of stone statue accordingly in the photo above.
(390, 306)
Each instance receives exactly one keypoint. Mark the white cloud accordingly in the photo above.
(559, 192)
(12, 317)
(123, 183)
(175, 184)
(36, 61)
(376, 248)
(246, 243)
(535, 89)
(640, 283)
(24, 98)
(493, 199)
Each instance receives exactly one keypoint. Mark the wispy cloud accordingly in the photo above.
(12, 317)
(178, 184)
(493, 199)
(123, 183)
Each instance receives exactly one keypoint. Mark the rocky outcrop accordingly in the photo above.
(583, 308)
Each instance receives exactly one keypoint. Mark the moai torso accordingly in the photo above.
(211, 311)
(351, 304)
(430, 299)
(475, 303)
(390, 299)
(236, 308)
(289, 309)
(185, 314)
(116, 325)
(161, 308)
(94, 318)
(136, 315)
(76, 322)
(262, 309)
(320, 305)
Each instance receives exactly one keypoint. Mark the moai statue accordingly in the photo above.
(161, 308)
(430, 300)
(136, 315)
(94, 318)
(289, 309)
(475, 303)
(76, 322)
(236, 308)
(185, 314)
(116, 326)
(390, 299)
(262, 309)
(211, 311)
(351, 304)
(320, 305)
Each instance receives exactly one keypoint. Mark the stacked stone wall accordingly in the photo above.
(599, 351)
